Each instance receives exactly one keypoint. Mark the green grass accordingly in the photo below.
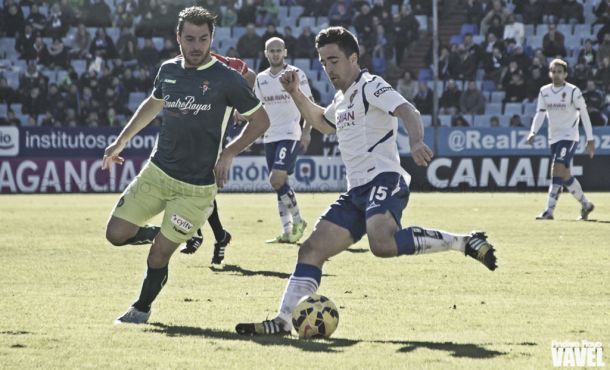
(62, 285)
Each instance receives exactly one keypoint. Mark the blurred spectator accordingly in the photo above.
(532, 12)
(7, 94)
(41, 54)
(316, 8)
(493, 65)
(232, 52)
(581, 75)
(34, 103)
(450, 100)
(130, 84)
(165, 22)
(444, 63)
(57, 55)
(125, 36)
(457, 120)
(463, 65)
(93, 119)
(57, 23)
(423, 99)
(422, 7)
(363, 21)
(518, 55)
(71, 120)
(516, 91)
(400, 32)
(602, 12)
(250, 44)
(267, 12)
(475, 11)
(47, 120)
(68, 13)
(365, 59)
(148, 55)
(475, 49)
(496, 26)
(122, 18)
(81, 42)
(514, 30)
(10, 119)
(472, 100)
(170, 49)
(31, 78)
(112, 119)
(290, 41)
(492, 42)
(144, 80)
(603, 49)
(146, 27)
(306, 45)
(498, 12)
(538, 74)
(494, 121)
(24, 43)
(551, 12)
(99, 14)
(339, 15)
(594, 99)
(587, 55)
(572, 12)
(515, 121)
(102, 45)
(71, 97)
(509, 72)
(14, 21)
(37, 20)
(229, 18)
(129, 53)
(247, 13)
(270, 32)
(553, 43)
(602, 76)
(407, 86)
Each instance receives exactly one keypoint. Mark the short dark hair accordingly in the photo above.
(345, 40)
(196, 15)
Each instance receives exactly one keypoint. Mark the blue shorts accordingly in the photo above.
(282, 155)
(388, 191)
(563, 151)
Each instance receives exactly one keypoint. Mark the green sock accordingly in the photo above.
(153, 283)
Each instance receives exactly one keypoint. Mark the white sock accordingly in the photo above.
(285, 217)
(297, 288)
(554, 191)
(290, 201)
(417, 240)
(575, 189)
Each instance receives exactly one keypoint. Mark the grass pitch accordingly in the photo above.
(62, 286)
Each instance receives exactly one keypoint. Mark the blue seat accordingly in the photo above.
(469, 28)
(456, 40)
(513, 108)
(493, 109)
(488, 85)
(424, 74)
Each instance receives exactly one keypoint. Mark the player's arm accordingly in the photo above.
(581, 105)
(250, 76)
(145, 113)
(538, 119)
(310, 111)
(306, 132)
(421, 153)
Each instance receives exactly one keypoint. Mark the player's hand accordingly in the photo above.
(590, 148)
(221, 171)
(111, 154)
(305, 140)
(290, 81)
(530, 139)
(421, 153)
(238, 118)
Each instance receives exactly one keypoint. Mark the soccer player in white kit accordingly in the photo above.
(363, 115)
(563, 104)
(284, 140)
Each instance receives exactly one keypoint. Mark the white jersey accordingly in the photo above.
(564, 107)
(366, 132)
(283, 113)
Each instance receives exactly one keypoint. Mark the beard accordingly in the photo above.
(195, 61)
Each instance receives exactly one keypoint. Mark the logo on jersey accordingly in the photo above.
(180, 224)
(205, 87)
(563, 96)
(187, 105)
(382, 90)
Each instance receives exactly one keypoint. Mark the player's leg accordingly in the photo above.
(139, 203)
(287, 152)
(285, 216)
(559, 151)
(387, 198)
(187, 208)
(561, 168)
(339, 228)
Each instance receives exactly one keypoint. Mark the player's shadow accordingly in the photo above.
(236, 269)
(467, 350)
(328, 345)
(590, 220)
(356, 250)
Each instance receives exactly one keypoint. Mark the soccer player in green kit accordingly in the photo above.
(196, 94)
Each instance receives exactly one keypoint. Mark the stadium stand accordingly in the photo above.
(19, 49)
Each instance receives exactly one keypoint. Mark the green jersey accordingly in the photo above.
(197, 104)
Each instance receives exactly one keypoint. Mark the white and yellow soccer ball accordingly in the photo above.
(315, 316)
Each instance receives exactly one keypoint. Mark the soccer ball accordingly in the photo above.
(315, 316)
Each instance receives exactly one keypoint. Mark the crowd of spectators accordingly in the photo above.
(73, 33)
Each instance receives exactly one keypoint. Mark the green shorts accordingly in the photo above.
(186, 206)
